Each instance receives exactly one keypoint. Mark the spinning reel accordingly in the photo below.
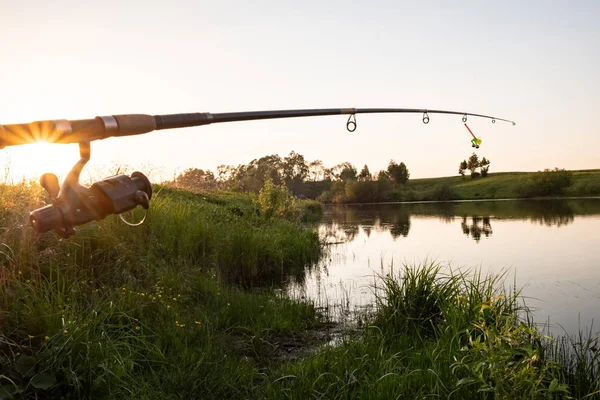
(74, 204)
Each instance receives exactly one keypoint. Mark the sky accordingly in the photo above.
(533, 62)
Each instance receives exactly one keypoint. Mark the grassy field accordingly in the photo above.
(501, 185)
(504, 185)
(189, 305)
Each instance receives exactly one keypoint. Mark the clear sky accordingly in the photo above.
(535, 62)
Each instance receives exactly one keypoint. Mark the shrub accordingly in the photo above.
(545, 183)
(360, 192)
(275, 201)
(441, 192)
(587, 189)
(309, 210)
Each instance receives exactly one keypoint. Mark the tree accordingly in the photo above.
(473, 164)
(365, 174)
(225, 173)
(345, 171)
(398, 172)
(316, 171)
(252, 177)
(382, 176)
(484, 164)
(295, 171)
(196, 179)
(269, 167)
(462, 168)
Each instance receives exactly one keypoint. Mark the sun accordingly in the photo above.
(29, 161)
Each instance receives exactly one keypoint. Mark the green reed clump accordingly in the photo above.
(436, 333)
(579, 360)
(413, 302)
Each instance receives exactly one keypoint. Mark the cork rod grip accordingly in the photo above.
(134, 124)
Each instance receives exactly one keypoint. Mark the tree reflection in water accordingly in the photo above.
(550, 213)
(474, 229)
(344, 223)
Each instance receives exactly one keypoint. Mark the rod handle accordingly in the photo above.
(134, 124)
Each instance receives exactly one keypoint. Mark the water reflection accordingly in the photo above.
(549, 246)
(475, 230)
(550, 213)
(475, 218)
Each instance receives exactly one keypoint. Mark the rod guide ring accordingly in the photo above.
(351, 123)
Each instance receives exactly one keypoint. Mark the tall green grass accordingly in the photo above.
(159, 311)
(441, 334)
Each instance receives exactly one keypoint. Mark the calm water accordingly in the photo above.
(551, 247)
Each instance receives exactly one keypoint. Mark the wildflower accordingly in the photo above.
(137, 328)
(228, 304)
(20, 273)
(28, 280)
(160, 295)
(174, 299)
(46, 337)
(197, 322)
(143, 294)
(30, 337)
(66, 331)
(168, 306)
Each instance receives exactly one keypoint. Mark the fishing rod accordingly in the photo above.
(73, 204)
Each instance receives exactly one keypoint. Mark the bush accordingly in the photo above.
(587, 189)
(360, 192)
(275, 201)
(545, 183)
(309, 210)
(441, 192)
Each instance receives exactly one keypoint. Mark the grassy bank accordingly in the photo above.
(158, 311)
(503, 185)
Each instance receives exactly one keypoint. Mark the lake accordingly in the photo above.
(550, 247)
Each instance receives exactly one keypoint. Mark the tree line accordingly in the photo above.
(293, 171)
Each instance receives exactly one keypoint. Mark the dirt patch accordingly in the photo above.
(276, 348)
(293, 347)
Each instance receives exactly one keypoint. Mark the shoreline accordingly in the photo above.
(465, 200)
